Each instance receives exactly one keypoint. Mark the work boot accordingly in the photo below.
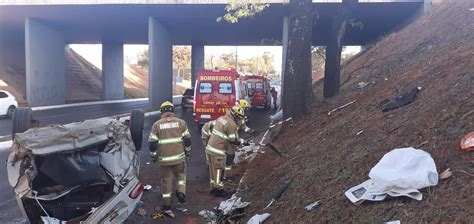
(181, 197)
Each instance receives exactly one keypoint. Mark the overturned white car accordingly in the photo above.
(82, 172)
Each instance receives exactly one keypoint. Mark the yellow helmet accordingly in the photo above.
(244, 104)
(237, 112)
(167, 107)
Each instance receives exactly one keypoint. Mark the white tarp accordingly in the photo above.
(400, 172)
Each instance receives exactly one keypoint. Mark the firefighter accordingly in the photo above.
(224, 134)
(242, 126)
(170, 144)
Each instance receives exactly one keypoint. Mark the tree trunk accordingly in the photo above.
(297, 75)
(332, 69)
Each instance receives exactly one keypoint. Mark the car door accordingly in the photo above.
(4, 103)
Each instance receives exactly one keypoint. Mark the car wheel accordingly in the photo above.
(22, 120)
(137, 121)
(11, 111)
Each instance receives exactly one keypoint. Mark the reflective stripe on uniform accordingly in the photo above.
(172, 158)
(205, 132)
(153, 138)
(228, 168)
(170, 140)
(182, 182)
(218, 178)
(166, 195)
(220, 134)
(215, 150)
(186, 133)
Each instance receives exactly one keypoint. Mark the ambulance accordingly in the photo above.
(259, 91)
(215, 92)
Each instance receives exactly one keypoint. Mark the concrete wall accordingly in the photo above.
(112, 71)
(197, 61)
(45, 64)
(160, 74)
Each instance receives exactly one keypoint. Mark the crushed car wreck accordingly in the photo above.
(80, 172)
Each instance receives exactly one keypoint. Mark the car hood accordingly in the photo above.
(95, 150)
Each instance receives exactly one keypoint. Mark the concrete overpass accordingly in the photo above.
(42, 28)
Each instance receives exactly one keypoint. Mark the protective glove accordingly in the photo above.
(154, 156)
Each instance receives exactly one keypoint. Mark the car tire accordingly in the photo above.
(11, 111)
(136, 124)
(22, 120)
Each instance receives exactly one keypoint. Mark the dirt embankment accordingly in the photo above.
(326, 156)
(83, 80)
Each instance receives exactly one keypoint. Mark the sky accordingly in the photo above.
(93, 52)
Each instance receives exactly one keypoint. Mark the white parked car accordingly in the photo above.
(84, 172)
(8, 104)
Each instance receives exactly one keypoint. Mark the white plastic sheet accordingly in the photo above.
(405, 168)
(400, 172)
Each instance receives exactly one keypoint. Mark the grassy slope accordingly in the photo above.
(326, 157)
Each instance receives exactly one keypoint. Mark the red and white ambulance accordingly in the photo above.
(259, 91)
(215, 92)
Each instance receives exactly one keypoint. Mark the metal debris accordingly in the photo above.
(312, 205)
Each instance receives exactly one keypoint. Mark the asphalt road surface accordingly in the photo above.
(197, 168)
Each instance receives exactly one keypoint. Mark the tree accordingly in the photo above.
(242, 9)
(332, 71)
(297, 88)
(182, 60)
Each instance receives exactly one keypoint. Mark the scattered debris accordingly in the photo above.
(341, 107)
(363, 84)
(423, 143)
(141, 211)
(148, 163)
(467, 114)
(402, 100)
(400, 172)
(393, 222)
(359, 133)
(169, 213)
(445, 174)
(231, 204)
(277, 116)
(147, 187)
(471, 9)
(51, 220)
(312, 205)
(157, 215)
(467, 142)
(208, 216)
(182, 209)
(257, 219)
(280, 192)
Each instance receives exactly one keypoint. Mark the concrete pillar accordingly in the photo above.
(427, 4)
(160, 64)
(112, 71)
(45, 64)
(284, 52)
(197, 61)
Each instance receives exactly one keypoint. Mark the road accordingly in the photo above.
(198, 182)
(78, 112)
